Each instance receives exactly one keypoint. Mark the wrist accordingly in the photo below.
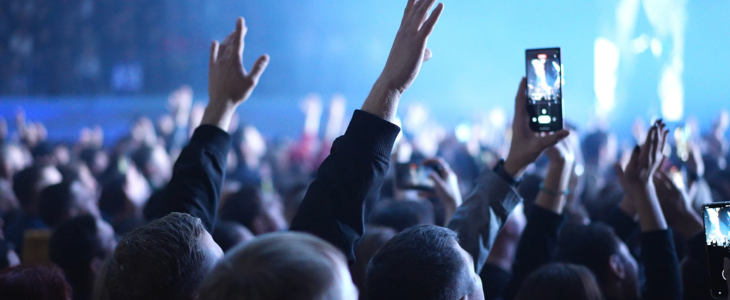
(218, 113)
(513, 168)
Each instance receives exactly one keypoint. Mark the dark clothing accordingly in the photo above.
(480, 218)
(536, 248)
(661, 268)
(494, 279)
(197, 178)
(695, 276)
(348, 183)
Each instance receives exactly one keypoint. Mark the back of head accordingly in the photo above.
(422, 262)
(559, 281)
(228, 234)
(279, 266)
(161, 260)
(588, 245)
(73, 246)
(401, 215)
(34, 282)
(29, 182)
(57, 203)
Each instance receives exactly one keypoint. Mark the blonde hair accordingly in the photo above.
(281, 265)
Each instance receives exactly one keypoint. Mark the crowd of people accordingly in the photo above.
(199, 205)
(93, 46)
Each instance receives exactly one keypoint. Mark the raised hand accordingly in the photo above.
(676, 206)
(638, 182)
(646, 159)
(406, 56)
(409, 48)
(446, 186)
(526, 145)
(228, 82)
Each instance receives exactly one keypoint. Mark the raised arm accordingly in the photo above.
(661, 267)
(199, 171)
(483, 213)
(539, 239)
(348, 182)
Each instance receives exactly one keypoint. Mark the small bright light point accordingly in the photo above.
(579, 170)
(656, 47)
(462, 132)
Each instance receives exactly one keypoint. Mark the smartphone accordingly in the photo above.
(414, 176)
(717, 229)
(544, 89)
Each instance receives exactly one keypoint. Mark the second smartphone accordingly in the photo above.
(544, 89)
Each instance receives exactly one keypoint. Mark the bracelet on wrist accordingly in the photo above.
(552, 192)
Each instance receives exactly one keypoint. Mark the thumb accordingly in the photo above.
(259, 67)
(427, 54)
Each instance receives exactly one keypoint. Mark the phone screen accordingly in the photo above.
(414, 176)
(717, 236)
(544, 89)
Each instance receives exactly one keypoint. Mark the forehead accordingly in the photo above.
(468, 260)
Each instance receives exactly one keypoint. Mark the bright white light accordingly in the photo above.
(498, 118)
(640, 44)
(579, 170)
(606, 59)
(656, 47)
(671, 93)
(463, 133)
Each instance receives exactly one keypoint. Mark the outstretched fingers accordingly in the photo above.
(213, 54)
(259, 67)
(407, 12)
(238, 37)
(430, 24)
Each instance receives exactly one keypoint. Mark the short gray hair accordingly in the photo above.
(281, 265)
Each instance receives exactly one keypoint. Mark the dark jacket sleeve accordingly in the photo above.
(661, 268)
(494, 279)
(482, 215)
(695, 276)
(348, 183)
(197, 177)
(537, 246)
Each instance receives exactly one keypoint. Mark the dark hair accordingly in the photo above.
(161, 260)
(243, 206)
(228, 234)
(280, 265)
(589, 245)
(34, 282)
(401, 215)
(592, 144)
(56, 202)
(73, 245)
(558, 281)
(25, 184)
(421, 262)
(113, 197)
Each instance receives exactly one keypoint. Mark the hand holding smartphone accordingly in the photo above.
(716, 217)
(544, 89)
(415, 176)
